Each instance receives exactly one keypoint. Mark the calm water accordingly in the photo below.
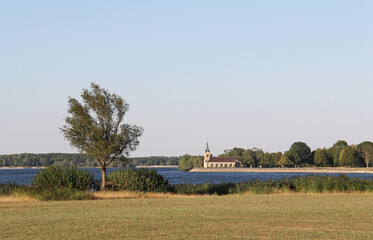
(24, 176)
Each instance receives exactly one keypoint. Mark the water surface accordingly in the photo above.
(24, 176)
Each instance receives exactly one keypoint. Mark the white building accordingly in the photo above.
(210, 162)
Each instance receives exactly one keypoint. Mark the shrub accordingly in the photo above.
(65, 177)
(137, 180)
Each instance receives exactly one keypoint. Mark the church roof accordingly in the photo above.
(223, 160)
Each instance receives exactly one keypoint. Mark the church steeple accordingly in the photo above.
(207, 147)
(207, 155)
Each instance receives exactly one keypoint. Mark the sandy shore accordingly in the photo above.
(158, 166)
(300, 170)
(22, 167)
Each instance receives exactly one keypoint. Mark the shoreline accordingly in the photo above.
(256, 170)
(289, 170)
(156, 166)
(144, 166)
(22, 167)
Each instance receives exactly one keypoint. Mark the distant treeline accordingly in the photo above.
(299, 155)
(80, 160)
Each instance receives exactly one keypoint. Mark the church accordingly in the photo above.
(214, 162)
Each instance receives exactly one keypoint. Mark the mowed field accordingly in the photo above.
(283, 216)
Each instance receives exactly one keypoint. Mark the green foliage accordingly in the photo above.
(187, 162)
(155, 160)
(67, 177)
(148, 181)
(350, 157)
(44, 193)
(52, 193)
(95, 127)
(143, 180)
(321, 158)
(299, 153)
(253, 157)
(336, 150)
(44, 160)
(266, 159)
(246, 158)
(204, 188)
(7, 188)
(339, 183)
(366, 149)
(285, 162)
(313, 183)
(80, 160)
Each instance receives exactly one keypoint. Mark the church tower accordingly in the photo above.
(207, 155)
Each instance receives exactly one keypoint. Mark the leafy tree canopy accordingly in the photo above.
(321, 158)
(188, 162)
(284, 162)
(96, 127)
(366, 149)
(349, 157)
(299, 153)
(336, 150)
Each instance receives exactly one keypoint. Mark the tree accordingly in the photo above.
(95, 127)
(320, 158)
(366, 149)
(336, 151)
(187, 162)
(349, 157)
(276, 157)
(246, 157)
(299, 153)
(266, 159)
(198, 161)
(285, 162)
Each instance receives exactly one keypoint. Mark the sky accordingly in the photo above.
(244, 74)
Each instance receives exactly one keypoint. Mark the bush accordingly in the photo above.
(144, 180)
(64, 177)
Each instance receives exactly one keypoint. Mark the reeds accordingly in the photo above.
(308, 184)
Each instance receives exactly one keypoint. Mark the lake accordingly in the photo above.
(24, 176)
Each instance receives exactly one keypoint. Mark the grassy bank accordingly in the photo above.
(286, 216)
(308, 184)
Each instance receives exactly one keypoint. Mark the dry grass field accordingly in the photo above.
(282, 216)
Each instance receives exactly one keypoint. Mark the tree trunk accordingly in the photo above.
(103, 183)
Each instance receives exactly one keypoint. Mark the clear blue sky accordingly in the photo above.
(238, 73)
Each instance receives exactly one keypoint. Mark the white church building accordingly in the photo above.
(215, 162)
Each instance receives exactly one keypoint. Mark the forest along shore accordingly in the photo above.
(303, 170)
(142, 166)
